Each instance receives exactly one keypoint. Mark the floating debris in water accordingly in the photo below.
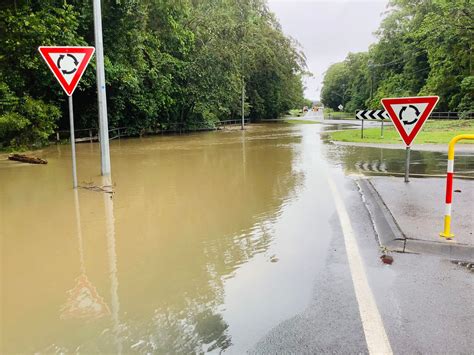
(27, 159)
(108, 189)
(386, 259)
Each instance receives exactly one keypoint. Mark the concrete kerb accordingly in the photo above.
(391, 236)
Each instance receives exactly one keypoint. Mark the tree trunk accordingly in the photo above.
(26, 159)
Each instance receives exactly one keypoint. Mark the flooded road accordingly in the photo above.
(207, 242)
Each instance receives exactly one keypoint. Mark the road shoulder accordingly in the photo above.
(408, 217)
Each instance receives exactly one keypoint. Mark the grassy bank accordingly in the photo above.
(329, 114)
(293, 121)
(436, 131)
(296, 113)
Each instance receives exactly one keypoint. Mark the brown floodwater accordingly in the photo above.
(205, 244)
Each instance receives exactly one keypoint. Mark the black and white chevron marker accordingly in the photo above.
(372, 115)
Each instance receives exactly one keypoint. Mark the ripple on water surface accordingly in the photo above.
(196, 223)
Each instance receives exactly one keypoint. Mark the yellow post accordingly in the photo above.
(449, 184)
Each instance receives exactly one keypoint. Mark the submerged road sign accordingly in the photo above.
(67, 64)
(408, 114)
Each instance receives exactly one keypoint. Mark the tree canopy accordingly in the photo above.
(424, 48)
(167, 63)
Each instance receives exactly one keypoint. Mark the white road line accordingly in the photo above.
(375, 335)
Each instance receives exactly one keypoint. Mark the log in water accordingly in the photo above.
(26, 159)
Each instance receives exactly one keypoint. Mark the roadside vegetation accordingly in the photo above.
(330, 113)
(168, 64)
(435, 131)
(295, 113)
(296, 121)
(423, 48)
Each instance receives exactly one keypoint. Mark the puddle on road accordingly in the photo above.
(384, 161)
(204, 245)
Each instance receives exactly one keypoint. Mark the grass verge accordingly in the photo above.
(292, 121)
(296, 113)
(338, 114)
(436, 132)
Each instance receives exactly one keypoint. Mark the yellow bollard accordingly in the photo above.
(449, 185)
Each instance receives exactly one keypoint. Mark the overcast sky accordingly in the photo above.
(328, 30)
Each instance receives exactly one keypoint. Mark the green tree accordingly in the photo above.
(424, 48)
(168, 63)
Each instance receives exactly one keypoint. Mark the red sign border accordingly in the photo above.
(388, 102)
(68, 88)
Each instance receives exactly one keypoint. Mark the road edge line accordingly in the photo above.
(374, 330)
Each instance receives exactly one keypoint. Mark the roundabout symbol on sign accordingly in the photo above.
(410, 117)
(65, 71)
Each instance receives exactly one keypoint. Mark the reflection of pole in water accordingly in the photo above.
(79, 231)
(244, 157)
(112, 256)
(83, 301)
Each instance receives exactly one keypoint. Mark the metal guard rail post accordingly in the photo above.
(449, 185)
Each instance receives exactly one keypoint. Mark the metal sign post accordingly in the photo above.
(68, 64)
(407, 164)
(370, 115)
(243, 104)
(381, 130)
(408, 115)
(73, 143)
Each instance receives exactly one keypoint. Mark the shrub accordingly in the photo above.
(31, 124)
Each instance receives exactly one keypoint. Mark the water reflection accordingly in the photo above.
(83, 300)
(186, 214)
(112, 260)
(185, 288)
(383, 161)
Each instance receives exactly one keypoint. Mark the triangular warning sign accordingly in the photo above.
(84, 302)
(408, 114)
(67, 64)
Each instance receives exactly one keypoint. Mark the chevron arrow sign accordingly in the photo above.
(372, 115)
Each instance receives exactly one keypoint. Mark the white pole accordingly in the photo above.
(407, 164)
(243, 104)
(73, 143)
(102, 99)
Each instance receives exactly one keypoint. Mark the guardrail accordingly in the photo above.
(450, 115)
(92, 134)
(449, 185)
(81, 135)
(232, 122)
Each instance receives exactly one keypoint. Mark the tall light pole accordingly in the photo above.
(370, 65)
(102, 99)
(242, 34)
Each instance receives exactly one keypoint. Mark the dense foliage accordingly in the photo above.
(424, 47)
(168, 63)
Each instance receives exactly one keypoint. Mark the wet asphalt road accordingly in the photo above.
(425, 302)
